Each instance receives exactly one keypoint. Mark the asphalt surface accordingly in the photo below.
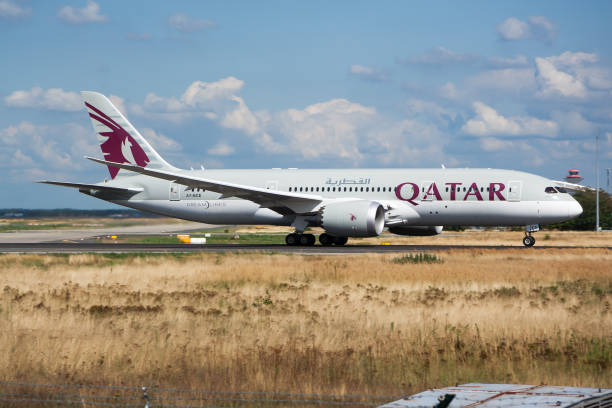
(52, 235)
(65, 247)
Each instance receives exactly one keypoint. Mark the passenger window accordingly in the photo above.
(481, 189)
(327, 189)
(334, 189)
(317, 189)
(289, 189)
(367, 189)
(362, 189)
(350, 188)
(378, 189)
(345, 189)
(300, 188)
(550, 190)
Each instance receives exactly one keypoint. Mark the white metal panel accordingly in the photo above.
(514, 190)
(175, 192)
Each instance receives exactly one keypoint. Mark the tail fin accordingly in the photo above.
(119, 140)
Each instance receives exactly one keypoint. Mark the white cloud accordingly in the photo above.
(508, 79)
(569, 59)
(221, 149)
(336, 129)
(187, 24)
(367, 73)
(9, 9)
(507, 62)
(449, 91)
(88, 14)
(440, 56)
(573, 123)
(554, 82)
(421, 108)
(52, 99)
(58, 147)
(536, 27)
(160, 142)
(203, 93)
(488, 122)
(407, 142)
(493, 144)
(326, 129)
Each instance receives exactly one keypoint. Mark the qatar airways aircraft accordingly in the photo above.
(344, 202)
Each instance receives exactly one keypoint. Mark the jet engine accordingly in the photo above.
(417, 230)
(359, 218)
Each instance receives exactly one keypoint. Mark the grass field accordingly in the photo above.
(377, 323)
(31, 224)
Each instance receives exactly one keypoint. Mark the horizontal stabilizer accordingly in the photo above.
(93, 187)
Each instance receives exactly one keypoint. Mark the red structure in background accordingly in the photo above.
(574, 176)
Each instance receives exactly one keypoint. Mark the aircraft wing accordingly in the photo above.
(94, 187)
(571, 186)
(277, 200)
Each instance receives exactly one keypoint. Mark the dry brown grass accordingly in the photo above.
(330, 324)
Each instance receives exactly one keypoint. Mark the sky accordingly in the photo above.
(519, 85)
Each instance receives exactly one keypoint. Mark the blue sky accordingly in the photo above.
(521, 85)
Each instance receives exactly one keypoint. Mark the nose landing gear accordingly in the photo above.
(528, 239)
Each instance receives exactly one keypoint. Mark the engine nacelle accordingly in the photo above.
(360, 218)
(417, 230)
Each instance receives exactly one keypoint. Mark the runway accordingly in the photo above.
(67, 248)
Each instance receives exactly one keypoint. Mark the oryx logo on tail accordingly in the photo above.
(119, 146)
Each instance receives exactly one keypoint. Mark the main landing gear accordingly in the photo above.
(327, 240)
(300, 239)
(296, 239)
(528, 239)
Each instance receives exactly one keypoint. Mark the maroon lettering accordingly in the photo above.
(473, 190)
(452, 189)
(415, 192)
(494, 192)
(432, 190)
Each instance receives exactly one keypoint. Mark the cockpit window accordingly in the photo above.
(550, 190)
(561, 190)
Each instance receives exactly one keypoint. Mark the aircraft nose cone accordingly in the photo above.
(574, 209)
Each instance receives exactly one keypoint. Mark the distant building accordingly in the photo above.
(574, 177)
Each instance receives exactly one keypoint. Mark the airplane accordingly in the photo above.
(344, 202)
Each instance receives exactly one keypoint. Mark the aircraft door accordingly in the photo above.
(514, 190)
(272, 185)
(175, 192)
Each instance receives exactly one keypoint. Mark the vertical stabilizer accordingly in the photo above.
(119, 141)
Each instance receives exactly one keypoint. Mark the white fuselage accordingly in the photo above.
(419, 197)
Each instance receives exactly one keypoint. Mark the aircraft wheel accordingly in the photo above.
(326, 239)
(292, 239)
(340, 240)
(528, 241)
(307, 239)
